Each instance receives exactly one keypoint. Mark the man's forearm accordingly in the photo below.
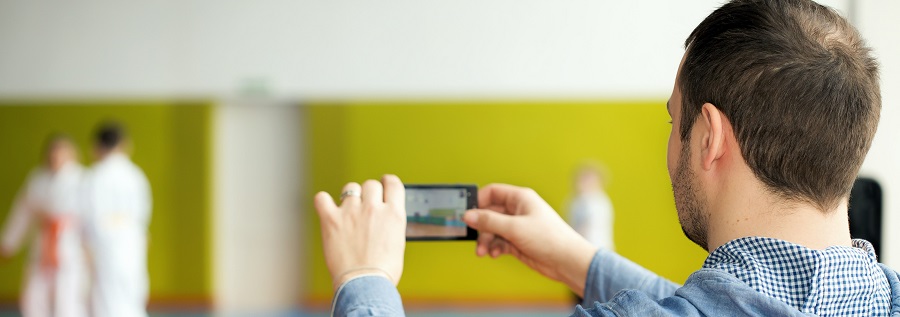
(17, 225)
(610, 273)
(574, 271)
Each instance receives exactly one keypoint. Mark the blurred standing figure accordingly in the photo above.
(55, 273)
(117, 213)
(591, 212)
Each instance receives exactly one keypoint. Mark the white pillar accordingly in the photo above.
(257, 219)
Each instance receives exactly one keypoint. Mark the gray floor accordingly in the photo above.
(491, 313)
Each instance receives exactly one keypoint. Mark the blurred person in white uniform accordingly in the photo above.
(117, 205)
(591, 211)
(55, 276)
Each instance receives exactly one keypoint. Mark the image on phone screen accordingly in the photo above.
(434, 212)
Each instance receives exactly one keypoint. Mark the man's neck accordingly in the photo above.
(110, 153)
(744, 208)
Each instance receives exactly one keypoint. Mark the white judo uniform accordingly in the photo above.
(55, 276)
(117, 205)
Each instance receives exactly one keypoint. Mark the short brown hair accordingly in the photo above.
(798, 85)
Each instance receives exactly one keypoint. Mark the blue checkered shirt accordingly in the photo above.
(837, 281)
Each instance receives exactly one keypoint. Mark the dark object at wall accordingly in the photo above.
(865, 212)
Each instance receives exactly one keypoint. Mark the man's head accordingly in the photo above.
(109, 137)
(58, 151)
(795, 87)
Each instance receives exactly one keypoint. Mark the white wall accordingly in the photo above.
(464, 48)
(880, 26)
(258, 244)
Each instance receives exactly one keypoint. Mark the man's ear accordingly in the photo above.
(713, 141)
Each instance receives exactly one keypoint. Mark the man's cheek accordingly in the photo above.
(670, 155)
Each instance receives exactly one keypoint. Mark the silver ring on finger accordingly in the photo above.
(348, 193)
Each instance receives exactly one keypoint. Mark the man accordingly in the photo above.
(774, 108)
(117, 206)
(55, 275)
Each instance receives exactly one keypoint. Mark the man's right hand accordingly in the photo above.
(5, 255)
(515, 220)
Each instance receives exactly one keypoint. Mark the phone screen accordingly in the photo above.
(434, 212)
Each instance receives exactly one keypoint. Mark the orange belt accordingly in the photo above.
(52, 229)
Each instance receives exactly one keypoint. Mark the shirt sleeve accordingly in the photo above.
(610, 273)
(637, 303)
(367, 296)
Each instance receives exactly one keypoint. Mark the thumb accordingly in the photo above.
(490, 221)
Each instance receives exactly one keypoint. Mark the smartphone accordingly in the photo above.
(434, 212)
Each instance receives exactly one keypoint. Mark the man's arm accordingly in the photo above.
(611, 273)
(365, 260)
(367, 295)
(17, 223)
(515, 220)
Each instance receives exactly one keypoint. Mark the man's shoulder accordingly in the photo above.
(707, 292)
(708, 288)
(116, 166)
(891, 274)
(894, 283)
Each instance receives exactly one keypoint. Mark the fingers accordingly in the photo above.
(325, 208)
(394, 192)
(493, 245)
(499, 247)
(496, 194)
(351, 199)
(489, 221)
(483, 242)
(324, 202)
(484, 237)
(372, 192)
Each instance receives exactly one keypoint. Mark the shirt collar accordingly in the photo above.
(814, 281)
